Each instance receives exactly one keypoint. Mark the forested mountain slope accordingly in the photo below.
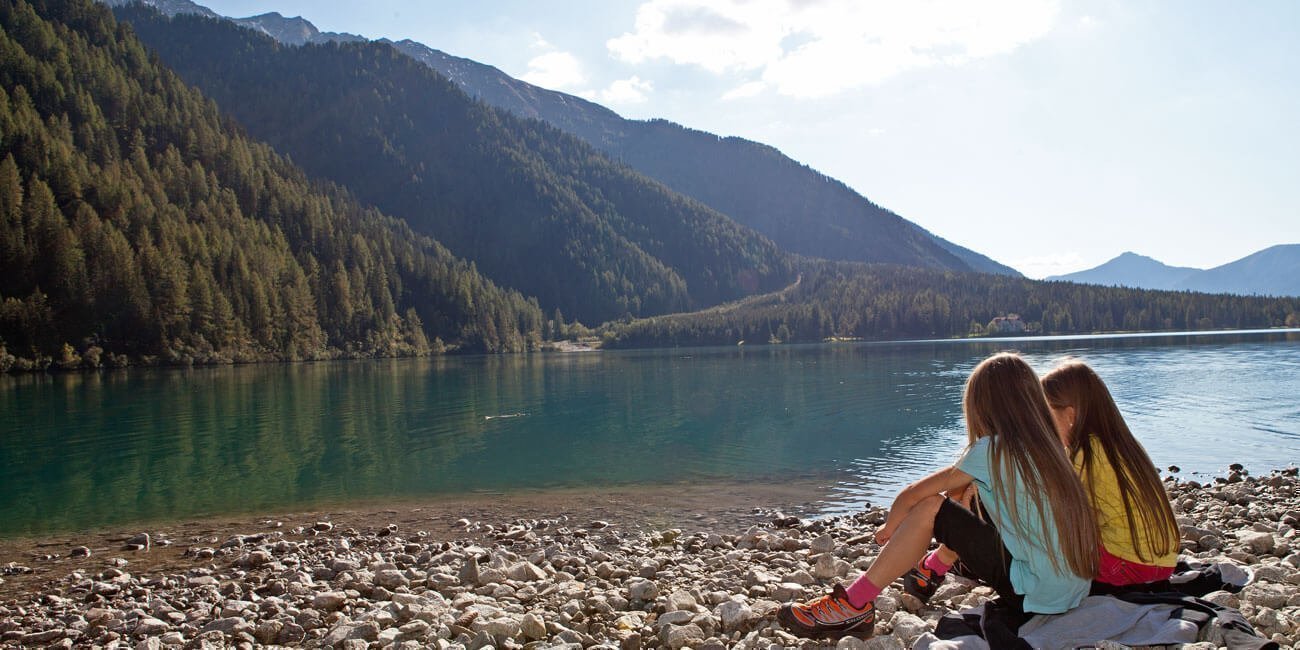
(135, 221)
(535, 208)
(799, 208)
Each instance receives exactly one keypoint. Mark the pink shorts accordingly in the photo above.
(1115, 570)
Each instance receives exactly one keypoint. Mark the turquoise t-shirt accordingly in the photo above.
(1046, 590)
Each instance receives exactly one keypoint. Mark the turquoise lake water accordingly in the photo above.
(81, 451)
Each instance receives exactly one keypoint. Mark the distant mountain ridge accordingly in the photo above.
(1131, 270)
(1274, 271)
(800, 209)
(294, 30)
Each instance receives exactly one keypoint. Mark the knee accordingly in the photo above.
(929, 507)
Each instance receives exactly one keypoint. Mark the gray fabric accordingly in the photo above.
(1105, 618)
(1096, 619)
(929, 641)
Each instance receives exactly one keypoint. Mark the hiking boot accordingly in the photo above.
(827, 615)
(921, 582)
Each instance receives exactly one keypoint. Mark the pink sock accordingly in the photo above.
(933, 563)
(862, 592)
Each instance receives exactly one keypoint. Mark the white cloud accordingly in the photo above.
(1041, 266)
(555, 70)
(809, 49)
(744, 90)
(632, 90)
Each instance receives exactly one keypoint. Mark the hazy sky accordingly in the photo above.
(1050, 136)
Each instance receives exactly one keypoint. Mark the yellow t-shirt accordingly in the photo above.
(1103, 488)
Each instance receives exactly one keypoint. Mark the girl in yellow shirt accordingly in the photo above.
(1139, 535)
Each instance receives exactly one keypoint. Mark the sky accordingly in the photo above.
(1050, 135)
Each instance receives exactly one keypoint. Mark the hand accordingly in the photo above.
(885, 532)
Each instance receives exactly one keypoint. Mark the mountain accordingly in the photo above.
(1274, 271)
(1131, 270)
(170, 7)
(800, 209)
(534, 208)
(138, 223)
(588, 120)
(293, 31)
(290, 30)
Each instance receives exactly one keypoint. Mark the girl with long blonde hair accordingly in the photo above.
(1038, 547)
(1139, 534)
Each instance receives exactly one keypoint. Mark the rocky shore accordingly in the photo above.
(505, 582)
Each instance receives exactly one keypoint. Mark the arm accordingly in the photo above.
(948, 479)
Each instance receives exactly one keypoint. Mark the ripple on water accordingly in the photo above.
(79, 451)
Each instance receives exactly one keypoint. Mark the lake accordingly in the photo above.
(855, 420)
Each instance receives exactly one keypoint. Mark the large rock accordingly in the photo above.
(329, 601)
(886, 642)
(391, 579)
(491, 576)
(149, 626)
(828, 566)
(734, 615)
(1265, 595)
(532, 627)
(680, 636)
(642, 590)
(786, 591)
(674, 618)
(908, 627)
(526, 572)
(503, 628)
(469, 573)
(799, 577)
(1257, 542)
(365, 631)
(681, 600)
(228, 626)
(756, 576)
(267, 632)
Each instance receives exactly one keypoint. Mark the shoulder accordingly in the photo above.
(975, 460)
(1100, 471)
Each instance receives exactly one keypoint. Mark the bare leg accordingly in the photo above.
(908, 545)
(844, 609)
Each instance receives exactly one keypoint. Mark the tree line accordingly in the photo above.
(879, 301)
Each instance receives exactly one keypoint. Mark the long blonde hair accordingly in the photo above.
(1004, 402)
(1074, 384)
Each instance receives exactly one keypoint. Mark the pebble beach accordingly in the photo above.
(457, 576)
